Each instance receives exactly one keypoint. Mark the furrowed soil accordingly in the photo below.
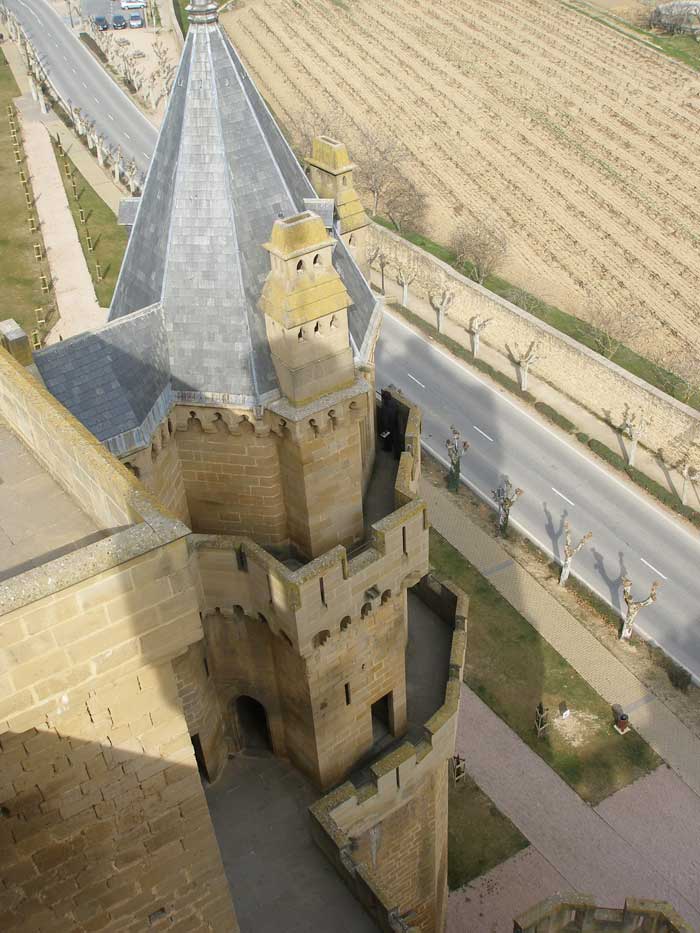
(582, 144)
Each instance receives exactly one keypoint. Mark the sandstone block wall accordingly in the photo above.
(105, 822)
(200, 702)
(158, 468)
(232, 476)
(389, 842)
(585, 376)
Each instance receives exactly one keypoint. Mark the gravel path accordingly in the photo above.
(624, 850)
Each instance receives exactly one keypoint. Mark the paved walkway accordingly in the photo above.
(601, 852)
(666, 734)
(645, 460)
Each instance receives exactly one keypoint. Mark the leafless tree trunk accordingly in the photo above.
(406, 273)
(476, 326)
(482, 246)
(526, 359)
(131, 173)
(634, 607)
(634, 426)
(456, 448)
(570, 551)
(379, 157)
(441, 295)
(404, 204)
(118, 164)
(505, 497)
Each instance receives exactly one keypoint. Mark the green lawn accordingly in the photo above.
(109, 239)
(20, 289)
(479, 835)
(512, 668)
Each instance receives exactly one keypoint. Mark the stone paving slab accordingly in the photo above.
(654, 721)
(490, 902)
(584, 848)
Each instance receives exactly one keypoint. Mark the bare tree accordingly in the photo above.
(407, 269)
(378, 253)
(441, 294)
(131, 171)
(404, 204)
(524, 299)
(525, 359)
(305, 125)
(570, 551)
(481, 245)
(634, 607)
(684, 455)
(379, 158)
(505, 497)
(606, 329)
(476, 326)
(456, 447)
(634, 425)
(680, 376)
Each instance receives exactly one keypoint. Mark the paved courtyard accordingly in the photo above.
(279, 879)
(641, 842)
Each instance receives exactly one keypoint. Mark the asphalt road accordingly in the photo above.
(79, 78)
(631, 536)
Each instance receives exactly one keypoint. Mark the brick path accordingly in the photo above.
(626, 848)
(666, 734)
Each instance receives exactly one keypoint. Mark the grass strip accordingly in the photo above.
(479, 835)
(20, 287)
(108, 238)
(512, 668)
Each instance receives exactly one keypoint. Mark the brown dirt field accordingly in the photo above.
(582, 144)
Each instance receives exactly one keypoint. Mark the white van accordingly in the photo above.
(133, 4)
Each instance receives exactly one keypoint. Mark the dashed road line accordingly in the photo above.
(651, 567)
(483, 433)
(415, 380)
(565, 498)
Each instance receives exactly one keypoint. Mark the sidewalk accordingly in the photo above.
(641, 842)
(645, 461)
(666, 734)
(74, 292)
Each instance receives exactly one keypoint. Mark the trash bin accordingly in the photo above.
(623, 722)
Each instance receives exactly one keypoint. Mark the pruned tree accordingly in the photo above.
(441, 294)
(634, 424)
(570, 551)
(131, 172)
(684, 455)
(476, 326)
(403, 203)
(456, 448)
(378, 253)
(407, 270)
(634, 607)
(525, 359)
(482, 246)
(505, 497)
(677, 17)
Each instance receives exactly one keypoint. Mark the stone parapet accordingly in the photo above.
(571, 911)
(347, 824)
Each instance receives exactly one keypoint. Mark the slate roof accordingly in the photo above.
(221, 174)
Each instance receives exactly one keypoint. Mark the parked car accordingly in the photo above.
(118, 21)
(136, 21)
(133, 4)
(102, 23)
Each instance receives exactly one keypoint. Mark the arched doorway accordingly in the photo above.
(252, 723)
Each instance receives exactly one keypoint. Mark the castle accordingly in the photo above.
(227, 578)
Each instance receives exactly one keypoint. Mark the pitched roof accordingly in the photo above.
(221, 174)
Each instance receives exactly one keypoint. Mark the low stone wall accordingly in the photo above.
(387, 838)
(557, 913)
(585, 376)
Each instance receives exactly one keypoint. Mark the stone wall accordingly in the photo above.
(570, 911)
(389, 841)
(585, 376)
(231, 472)
(200, 702)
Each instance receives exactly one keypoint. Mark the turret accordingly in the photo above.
(305, 305)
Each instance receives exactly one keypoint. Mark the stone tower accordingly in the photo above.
(235, 380)
(330, 171)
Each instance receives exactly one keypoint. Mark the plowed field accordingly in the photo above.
(582, 144)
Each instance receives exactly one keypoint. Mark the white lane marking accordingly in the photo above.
(652, 567)
(678, 526)
(483, 433)
(84, 85)
(145, 154)
(565, 498)
(415, 380)
(96, 99)
(110, 116)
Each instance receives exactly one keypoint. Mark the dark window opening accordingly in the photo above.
(199, 757)
(323, 590)
(347, 694)
(382, 718)
(206, 667)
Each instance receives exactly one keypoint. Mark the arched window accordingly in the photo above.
(300, 335)
(300, 267)
(386, 596)
(345, 623)
(317, 327)
(366, 609)
(345, 181)
(320, 638)
(317, 259)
